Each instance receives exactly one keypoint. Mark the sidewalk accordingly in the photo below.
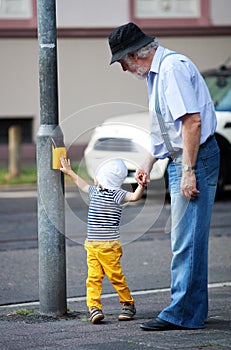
(76, 332)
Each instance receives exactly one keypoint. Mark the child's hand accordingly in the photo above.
(66, 165)
(142, 178)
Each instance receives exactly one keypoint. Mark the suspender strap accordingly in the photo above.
(164, 132)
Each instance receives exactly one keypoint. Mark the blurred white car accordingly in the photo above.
(127, 136)
(219, 84)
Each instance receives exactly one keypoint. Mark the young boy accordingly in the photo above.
(103, 245)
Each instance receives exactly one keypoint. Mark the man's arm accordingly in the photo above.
(191, 132)
(143, 173)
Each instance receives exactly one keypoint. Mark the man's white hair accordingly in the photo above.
(147, 49)
(144, 51)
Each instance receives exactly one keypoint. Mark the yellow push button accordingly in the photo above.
(58, 151)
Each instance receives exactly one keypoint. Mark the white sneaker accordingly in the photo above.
(128, 311)
(96, 315)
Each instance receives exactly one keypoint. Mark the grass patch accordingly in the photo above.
(22, 312)
(28, 175)
(208, 345)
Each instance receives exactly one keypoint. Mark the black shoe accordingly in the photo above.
(159, 325)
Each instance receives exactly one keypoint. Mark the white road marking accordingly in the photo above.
(112, 295)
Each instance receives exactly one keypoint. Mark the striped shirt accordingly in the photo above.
(104, 214)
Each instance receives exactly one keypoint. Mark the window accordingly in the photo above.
(26, 126)
(220, 90)
(18, 14)
(170, 13)
(15, 9)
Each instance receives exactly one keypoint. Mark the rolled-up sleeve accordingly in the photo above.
(179, 92)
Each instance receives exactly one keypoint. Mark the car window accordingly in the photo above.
(220, 90)
(115, 144)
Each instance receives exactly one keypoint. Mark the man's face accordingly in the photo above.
(134, 65)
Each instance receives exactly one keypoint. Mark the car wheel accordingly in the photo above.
(134, 187)
(167, 193)
(221, 177)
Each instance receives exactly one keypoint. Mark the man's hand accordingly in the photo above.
(143, 173)
(142, 177)
(188, 185)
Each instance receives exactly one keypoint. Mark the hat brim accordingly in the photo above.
(136, 46)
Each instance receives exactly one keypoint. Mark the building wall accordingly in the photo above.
(90, 90)
(110, 13)
(220, 12)
(88, 13)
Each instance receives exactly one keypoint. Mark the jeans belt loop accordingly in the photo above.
(208, 139)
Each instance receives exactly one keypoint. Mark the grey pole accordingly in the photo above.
(51, 215)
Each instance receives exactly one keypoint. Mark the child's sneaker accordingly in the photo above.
(96, 315)
(128, 311)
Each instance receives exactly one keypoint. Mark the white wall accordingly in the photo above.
(90, 90)
(109, 13)
(91, 13)
(88, 81)
(220, 12)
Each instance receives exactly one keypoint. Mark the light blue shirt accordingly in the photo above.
(181, 90)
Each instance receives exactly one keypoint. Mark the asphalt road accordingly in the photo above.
(146, 244)
(144, 233)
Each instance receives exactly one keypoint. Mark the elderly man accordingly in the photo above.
(183, 124)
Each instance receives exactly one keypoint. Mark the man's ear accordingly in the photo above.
(133, 56)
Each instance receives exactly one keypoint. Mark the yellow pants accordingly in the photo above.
(103, 258)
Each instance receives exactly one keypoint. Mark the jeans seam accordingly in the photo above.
(191, 264)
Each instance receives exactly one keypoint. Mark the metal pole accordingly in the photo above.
(51, 213)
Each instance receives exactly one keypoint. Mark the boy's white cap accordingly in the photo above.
(112, 174)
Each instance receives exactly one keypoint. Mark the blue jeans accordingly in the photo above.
(189, 240)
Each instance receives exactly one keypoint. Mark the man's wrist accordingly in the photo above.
(188, 168)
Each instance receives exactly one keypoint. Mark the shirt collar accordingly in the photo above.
(156, 59)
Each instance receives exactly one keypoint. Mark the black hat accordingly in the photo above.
(125, 39)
